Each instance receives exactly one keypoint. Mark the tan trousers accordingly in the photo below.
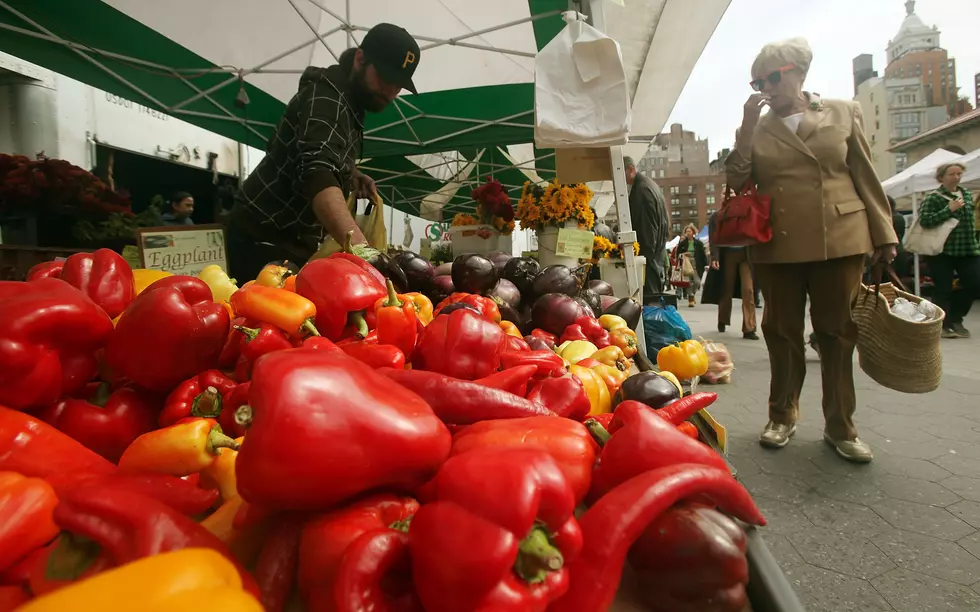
(832, 286)
(736, 266)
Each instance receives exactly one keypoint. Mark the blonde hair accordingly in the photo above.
(693, 228)
(943, 169)
(795, 51)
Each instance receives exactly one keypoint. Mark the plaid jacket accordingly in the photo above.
(315, 146)
(962, 241)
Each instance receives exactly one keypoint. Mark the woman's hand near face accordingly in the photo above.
(957, 203)
(753, 107)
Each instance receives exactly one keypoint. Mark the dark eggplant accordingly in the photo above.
(600, 286)
(500, 259)
(444, 269)
(555, 279)
(649, 388)
(458, 306)
(606, 301)
(538, 344)
(553, 312)
(509, 313)
(627, 308)
(601, 229)
(592, 300)
(390, 269)
(474, 273)
(508, 292)
(417, 269)
(521, 271)
(439, 288)
(526, 307)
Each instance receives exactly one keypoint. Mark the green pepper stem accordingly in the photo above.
(599, 433)
(102, 394)
(392, 295)
(537, 557)
(348, 242)
(243, 415)
(309, 327)
(207, 404)
(250, 332)
(218, 441)
(401, 525)
(357, 320)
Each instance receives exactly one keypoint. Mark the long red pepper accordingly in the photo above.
(462, 402)
(684, 408)
(31, 447)
(275, 570)
(512, 380)
(616, 521)
(181, 495)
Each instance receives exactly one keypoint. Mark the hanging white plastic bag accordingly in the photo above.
(581, 97)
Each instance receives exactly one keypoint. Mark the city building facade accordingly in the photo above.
(959, 135)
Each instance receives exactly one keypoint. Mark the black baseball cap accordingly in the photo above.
(394, 54)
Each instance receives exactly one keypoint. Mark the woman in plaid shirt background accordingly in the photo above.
(961, 253)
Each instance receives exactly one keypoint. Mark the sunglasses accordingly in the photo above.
(774, 77)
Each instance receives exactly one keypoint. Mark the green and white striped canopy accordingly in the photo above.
(472, 118)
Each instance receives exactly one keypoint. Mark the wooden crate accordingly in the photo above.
(16, 261)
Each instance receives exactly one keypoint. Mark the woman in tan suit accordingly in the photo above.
(828, 213)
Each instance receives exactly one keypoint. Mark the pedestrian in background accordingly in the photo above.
(690, 259)
(648, 213)
(181, 209)
(730, 276)
(828, 212)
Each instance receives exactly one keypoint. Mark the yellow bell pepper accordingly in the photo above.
(143, 278)
(610, 322)
(611, 375)
(273, 275)
(189, 580)
(685, 360)
(613, 356)
(510, 329)
(221, 286)
(576, 350)
(595, 388)
(669, 376)
(423, 306)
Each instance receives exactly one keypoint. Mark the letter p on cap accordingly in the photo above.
(409, 59)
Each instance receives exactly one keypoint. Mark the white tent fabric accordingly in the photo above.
(971, 176)
(918, 177)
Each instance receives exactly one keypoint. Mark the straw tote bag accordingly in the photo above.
(898, 354)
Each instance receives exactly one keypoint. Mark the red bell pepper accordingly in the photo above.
(461, 344)
(107, 422)
(512, 343)
(275, 569)
(182, 495)
(12, 597)
(376, 355)
(128, 526)
(179, 450)
(487, 308)
(691, 557)
(461, 402)
(46, 269)
(232, 348)
(548, 363)
(375, 574)
(564, 395)
(199, 396)
(178, 318)
(49, 334)
(550, 339)
(572, 332)
(590, 326)
(615, 522)
(26, 505)
(512, 380)
(326, 537)
(320, 414)
(31, 447)
(104, 276)
(397, 322)
(348, 253)
(266, 338)
(689, 430)
(230, 403)
(371, 338)
(342, 291)
(567, 441)
(499, 535)
(643, 441)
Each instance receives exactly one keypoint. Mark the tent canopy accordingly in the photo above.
(199, 61)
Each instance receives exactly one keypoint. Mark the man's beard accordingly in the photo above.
(362, 94)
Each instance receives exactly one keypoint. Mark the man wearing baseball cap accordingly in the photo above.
(298, 193)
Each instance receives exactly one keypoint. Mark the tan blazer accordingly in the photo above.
(827, 201)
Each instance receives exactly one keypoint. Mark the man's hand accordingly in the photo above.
(715, 264)
(885, 254)
(363, 186)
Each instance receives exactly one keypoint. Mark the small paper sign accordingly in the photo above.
(721, 434)
(182, 249)
(574, 243)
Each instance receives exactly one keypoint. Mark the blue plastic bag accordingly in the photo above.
(663, 326)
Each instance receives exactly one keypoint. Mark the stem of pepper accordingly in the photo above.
(599, 433)
(102, 394)
(348, 240)
(537, 557)
(243, 415)
(392, 296)
(207, 404)
(218, 440)
(309, 327)
(401, 525)
(250, 332)
(357, 320)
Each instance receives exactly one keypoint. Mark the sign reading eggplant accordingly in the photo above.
(183, 249)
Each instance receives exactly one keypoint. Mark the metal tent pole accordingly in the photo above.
(915, 256)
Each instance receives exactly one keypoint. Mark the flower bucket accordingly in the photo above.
(548, 243)
(613, 271)
(466, 239)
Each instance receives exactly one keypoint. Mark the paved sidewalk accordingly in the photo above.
(901, 534)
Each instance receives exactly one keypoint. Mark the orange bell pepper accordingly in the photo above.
(613, 356)
(595, 388)
(179, 450)
(290, 283)
(611, 375)
(221, 473)
(625, 338)
(26, 523)
(397, 321)
(273, 275)
(510, 329)
(290, 312)
(423, 306)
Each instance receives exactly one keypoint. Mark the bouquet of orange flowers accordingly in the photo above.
(554, 205)
(603, 248)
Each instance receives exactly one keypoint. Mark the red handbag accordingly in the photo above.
(743, 219)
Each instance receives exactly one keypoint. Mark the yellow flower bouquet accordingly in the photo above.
(554, 205)
(603, 248)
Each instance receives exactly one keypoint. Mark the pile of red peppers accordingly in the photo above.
(328, 438)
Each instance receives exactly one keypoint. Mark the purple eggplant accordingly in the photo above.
(591, 299)
(439, 288)
(390, 269)
(509, 313)
(521, 271)
(474, 273)
(418, 270)
(606, 301)
(507, 292)
(444, 269)
(647, 388)
(553, 312)
(555, 279)
(600, 286)
(500, 259)
(627, 308)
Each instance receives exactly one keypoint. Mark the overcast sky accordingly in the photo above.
(838, 31)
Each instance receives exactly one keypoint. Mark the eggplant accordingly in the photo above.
(592, 300)
(507, 292)
(459, 306)
(521, 271)
(606, 301)
(627, 308)
(509, 313)
(390, 269)
(600, 286)
(555, 279)
(526, 308)
(417, 269)
(439, 288)
(500, 259)
(474, 273)
(444, 269)
(553, 312)
(649, 388)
